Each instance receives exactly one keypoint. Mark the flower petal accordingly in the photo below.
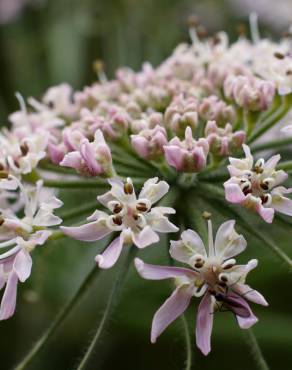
(22, 265)
(156, 272)
(204, 324)
(252, 295)
(146, 237)
(89, 232)
(110, 256)
(8, 302)
(228, 242)
(171, 309)
(189, 245)
(153, 190)
(233, 193)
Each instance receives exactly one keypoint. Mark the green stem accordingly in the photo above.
(286, 166)
(61, 316)
(256, 350)
(78, 211)
(273, 144)
(250, 119)
(109, 307)
(188, 363)
(272, 119)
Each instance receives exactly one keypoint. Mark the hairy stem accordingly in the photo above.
(114, 295)
(256, 350)
(61, 316)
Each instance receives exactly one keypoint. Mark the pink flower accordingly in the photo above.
(21, 236)
(134, 218)
(149, 143)
(255, 185)
(213, 275)
(188, 155)
(223, 141)
(91, 159)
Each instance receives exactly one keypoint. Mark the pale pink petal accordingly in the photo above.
(189, 245)
(110, 256)
(56, 153)
(204, 324)
(154, 190)
(146, 237)
(281, 204)
(22, 265)
(89, 232)
(8, 302)
(72, 160)
(174, 156)
(252, 295)
(233, 193)
(171, 309)
(266, 214)
(88, 156)
(228, 243)
(272, 162)
(156, 272)
(247, 322)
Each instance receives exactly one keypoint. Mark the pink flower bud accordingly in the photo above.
(214, 109)
(182, 113)
(222, 141)
(250, 93)
(188, 155)
(149, 143)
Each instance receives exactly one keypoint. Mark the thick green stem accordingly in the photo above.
(256, 350)
(272, 144)
(113, 297)
(188, 344)
(62, 315)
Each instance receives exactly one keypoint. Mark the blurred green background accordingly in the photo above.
(48, 42)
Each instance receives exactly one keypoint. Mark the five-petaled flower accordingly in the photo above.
(213, 275)
(255, 185)
(134, 218)
(21, 236)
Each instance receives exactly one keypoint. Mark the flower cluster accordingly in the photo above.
(167, 131)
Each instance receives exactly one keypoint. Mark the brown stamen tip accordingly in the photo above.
(3, 174)
(128, 188)
(279, 55)
(264, 199)
(199, 264)
(241, 29)
(117, 208)
(141, 207)
(229, 266)
(289, 72)
(1, 167)
(224, 279)
(193, 21)
(1, 221)
(206, 215)
(264, 186)
(98, 66)
(202, 32)
(24, 149)
(287, 34)
(117, 220)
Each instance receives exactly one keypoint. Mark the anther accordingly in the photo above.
(3, 174)
(1, 220)
(206, 215)
(117, 208)
(24, 149)
(142, 207)
(259, 166)
(117, 220)
(279, 55)
(128, 188)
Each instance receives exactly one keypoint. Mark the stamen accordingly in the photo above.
(2, 220)
(142, 207)
(128, 188)
(279, 55)
(210, 239)
(117, 220)
(98, 67)
(254, 27)
(3, 174)
(24, 149)
(259, 166)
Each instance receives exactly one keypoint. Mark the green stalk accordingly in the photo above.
(78, 211)
(114, 295)
(61, 316)
(272, 119)
(187, 337)
(256, 350)
(273, 144)
(286, 166)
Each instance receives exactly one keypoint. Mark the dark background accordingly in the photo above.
(43, 43)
